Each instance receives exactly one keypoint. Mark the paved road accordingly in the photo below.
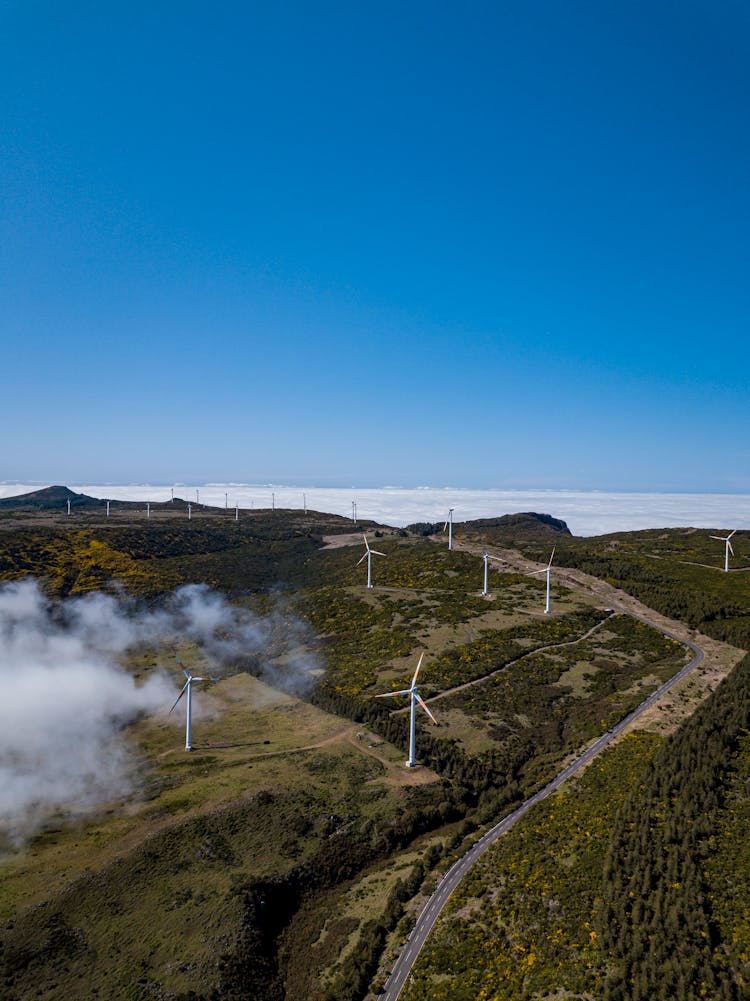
(458, 870)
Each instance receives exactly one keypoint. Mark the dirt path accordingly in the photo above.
(681, 701)
(338, 541)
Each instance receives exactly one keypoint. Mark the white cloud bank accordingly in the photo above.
(65, 699)
(586, 512)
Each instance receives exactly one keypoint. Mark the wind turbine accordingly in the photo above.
(487, 558)
(414, 698)
(449, 525)
(368, 556)
(727, 547)
(548, 571)
(188, 687)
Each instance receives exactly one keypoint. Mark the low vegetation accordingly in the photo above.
(279, 860)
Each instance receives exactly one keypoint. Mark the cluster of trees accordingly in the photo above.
(658, 922)
(356, 972)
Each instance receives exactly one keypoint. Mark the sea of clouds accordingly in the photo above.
(66, 697)
(586, 512)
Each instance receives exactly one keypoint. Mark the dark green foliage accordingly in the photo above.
(659, 923)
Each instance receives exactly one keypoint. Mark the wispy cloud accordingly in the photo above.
(66, 698)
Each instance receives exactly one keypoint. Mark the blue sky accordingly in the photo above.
(477, 244)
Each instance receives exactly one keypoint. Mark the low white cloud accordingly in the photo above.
(66, 699)
(586, 512)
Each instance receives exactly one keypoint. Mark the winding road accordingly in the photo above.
(438, 900)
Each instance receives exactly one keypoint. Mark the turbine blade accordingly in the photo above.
(730, 547)
(535, 572)
(419, 664)
(377, 553)
(445, 526)
(388, 695)
(362, 560)
(367, 545)
(551, 557)
(731, 534)
(717, 537)
(423, 704)
(184, 689)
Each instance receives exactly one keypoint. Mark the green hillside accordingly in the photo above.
(278, 861)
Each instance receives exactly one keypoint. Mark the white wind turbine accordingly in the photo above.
(414, 698)
(548, 571)
(487, 558)
(188, 687)
(727, 547)
(369, 553)
(449, 525)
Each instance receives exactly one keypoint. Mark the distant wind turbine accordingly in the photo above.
(68, 505)
(548, 571)
(369, 553)
(449, 525)
(414, 698)
(727, 547)
(190, 511)
(487, 558)
(188, 687)
(108, 509)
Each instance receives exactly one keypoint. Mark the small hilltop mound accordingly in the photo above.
(49, 498)
(524, 525)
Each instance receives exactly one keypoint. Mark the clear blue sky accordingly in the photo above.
(477, 244)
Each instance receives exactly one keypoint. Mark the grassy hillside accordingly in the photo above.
(277, 861)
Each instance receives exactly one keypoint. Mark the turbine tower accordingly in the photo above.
(414, 698)
(449, 525)
(548, 571)
(727, 547)
(188, 687)
(487, 558)
(369, 553)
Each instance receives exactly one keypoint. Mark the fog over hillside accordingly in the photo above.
(66, 697)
